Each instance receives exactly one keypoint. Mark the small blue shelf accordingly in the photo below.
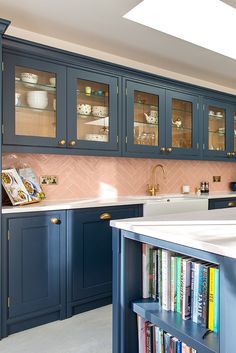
(185, 330)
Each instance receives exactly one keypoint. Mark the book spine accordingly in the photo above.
(167, 338)
(179, 347)
(216, 298)
(186, 301)
(200, 291)
(178, 283)
(154, 296)
(157, 335)
(161, 344)
(141, 334)
(195, 293)
(211, 299)
(151, 279)
(159, 251)
(157, 274)
(173, 283)
(145, 270)
(184, 346)
(166, 280)
(204, 296)
(149, 338)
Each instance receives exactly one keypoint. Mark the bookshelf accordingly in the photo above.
(127, 298)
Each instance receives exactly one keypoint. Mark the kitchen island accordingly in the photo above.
(209, 236)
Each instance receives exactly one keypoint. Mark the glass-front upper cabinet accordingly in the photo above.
(234, 133)
(92, 110)
(182, 124)
(217, 131)
(145, 112)
(34, 103)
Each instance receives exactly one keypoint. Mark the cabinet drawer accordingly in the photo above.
(222, 203)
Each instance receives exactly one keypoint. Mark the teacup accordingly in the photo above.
(52, 81)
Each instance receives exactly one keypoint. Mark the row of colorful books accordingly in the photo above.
(182, 284)
(152, 339)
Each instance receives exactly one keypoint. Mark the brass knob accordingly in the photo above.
(232, 154)
(230, 204)
(169, 149)
(228, 154)
(105, 216)
(162, 149)
(62, 142)
(55, 221)
(72, 143)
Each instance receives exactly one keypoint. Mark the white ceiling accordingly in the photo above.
(99, 24)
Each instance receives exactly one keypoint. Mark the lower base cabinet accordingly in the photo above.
(90, 255)
(55, 264)
(33, 276)
(226, 202)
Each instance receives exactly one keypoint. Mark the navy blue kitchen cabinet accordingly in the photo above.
(90, 255)
(34, 102)
(219, 129)
(159, 122)
(92, 101)
(34, 270)
(53, 108)
(226, 202)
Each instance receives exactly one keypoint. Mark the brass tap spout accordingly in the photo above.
(154, 188)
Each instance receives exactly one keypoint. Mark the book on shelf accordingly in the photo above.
(152, 339)
(182, 284)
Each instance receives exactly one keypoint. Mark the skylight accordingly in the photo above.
(210, 24)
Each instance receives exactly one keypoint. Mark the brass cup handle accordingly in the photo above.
(105, 216)
(62, 142)
(162, 149)
(55, 220)
(230, 204)
(169, 149)
(72, 143)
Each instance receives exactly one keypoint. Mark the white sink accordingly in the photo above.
(176, 204)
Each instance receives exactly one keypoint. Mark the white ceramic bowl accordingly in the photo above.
(28, 77)
(52, 81)
(37, 99)
(100, 110)
(96, 137)
(84, 109)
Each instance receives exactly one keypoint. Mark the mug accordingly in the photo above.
(88, 90)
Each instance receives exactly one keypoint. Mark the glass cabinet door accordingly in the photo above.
(145, 112)
(234, 133)
(217, 139)
(182, 123)
(34, 111)
(92, 107)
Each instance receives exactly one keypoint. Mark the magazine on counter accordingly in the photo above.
(31, 183)
(14, 187)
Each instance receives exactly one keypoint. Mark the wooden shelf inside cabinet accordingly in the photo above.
(172, 322)
(141, 123)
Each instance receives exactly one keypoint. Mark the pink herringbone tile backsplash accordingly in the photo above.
(81, 176)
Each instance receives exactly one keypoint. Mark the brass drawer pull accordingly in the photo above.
(162, 149)
(169, 149)
(55, 221)
(230, 204)
(228, 154)
(62, 142)
(105, 216)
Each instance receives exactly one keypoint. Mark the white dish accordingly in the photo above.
(100, 111)
(28, 77)
(96, 137)
(84, 109)
(37, 99)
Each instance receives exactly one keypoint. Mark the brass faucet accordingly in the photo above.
(154, 188)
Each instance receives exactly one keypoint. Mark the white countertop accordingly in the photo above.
(213, 231)
(100, 202)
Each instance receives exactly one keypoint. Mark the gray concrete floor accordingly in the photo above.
(88, 332)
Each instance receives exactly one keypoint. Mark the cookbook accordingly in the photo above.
(31, 183)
